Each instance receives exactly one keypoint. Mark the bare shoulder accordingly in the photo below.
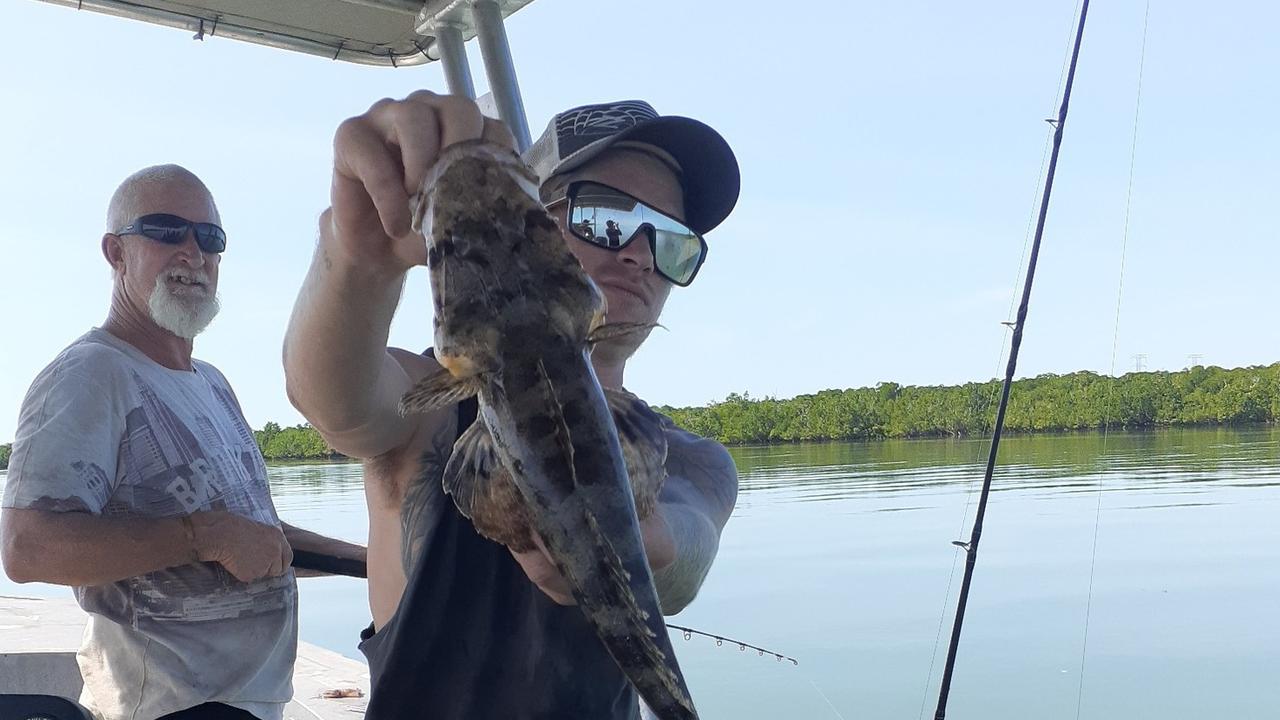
(703, 466)
(415, 365)
(388, 476)
(399, 486)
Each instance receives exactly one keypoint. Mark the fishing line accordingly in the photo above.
(1112, 381)
(977, 409)
(1044, 159)
(971, 547)
(827, 699)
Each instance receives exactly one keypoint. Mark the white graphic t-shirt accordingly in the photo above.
(106, 430)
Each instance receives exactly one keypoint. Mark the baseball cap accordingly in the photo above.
(707, 167)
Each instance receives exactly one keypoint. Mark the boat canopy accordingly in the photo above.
(371, 32)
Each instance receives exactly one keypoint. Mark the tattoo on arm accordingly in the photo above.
(418, 496)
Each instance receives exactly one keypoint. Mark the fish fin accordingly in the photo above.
(644, 447)
(637, 423)
(638, 633)
(563, 437)
(611, 580)
(439, 389)
(470, 467)
(483, 491)
(613, 331)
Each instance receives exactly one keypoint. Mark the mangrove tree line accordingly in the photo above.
(1046, 403)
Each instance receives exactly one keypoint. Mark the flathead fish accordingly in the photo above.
(515, 316)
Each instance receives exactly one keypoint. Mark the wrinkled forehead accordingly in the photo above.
(181, 195)
(177, 197)
(157, 186)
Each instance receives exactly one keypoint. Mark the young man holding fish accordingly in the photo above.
(460, 629)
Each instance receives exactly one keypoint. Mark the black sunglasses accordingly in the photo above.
(172, 230)
(611, 219)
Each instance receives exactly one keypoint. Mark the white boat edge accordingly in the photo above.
(39, 638)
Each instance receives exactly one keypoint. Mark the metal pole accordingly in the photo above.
(971, 547)
(453, 55)
(501, 72)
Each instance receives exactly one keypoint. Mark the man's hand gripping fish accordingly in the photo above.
(515, 315)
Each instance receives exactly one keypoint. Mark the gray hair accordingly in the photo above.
(126, 201)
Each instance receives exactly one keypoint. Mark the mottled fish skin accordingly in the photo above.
(514, 310)
(485, 492)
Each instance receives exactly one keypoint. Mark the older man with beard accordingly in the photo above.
(136, 480)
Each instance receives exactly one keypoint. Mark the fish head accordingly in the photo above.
(500, 270)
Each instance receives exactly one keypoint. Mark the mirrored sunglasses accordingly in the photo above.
(611, 219)
(172, 230)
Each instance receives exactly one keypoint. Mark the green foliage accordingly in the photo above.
(1047, 403)
(296, 443)
(300, 442)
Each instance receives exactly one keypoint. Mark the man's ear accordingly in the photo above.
(113, 251)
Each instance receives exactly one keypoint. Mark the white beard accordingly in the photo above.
(185, 314)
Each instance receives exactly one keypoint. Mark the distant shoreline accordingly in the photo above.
(344, 460)
(1079, 402)
(336, 459)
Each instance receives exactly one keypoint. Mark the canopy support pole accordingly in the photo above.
(496, 52)
(453, 55)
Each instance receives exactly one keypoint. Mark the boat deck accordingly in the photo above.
(39, 638)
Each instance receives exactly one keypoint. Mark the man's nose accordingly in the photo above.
(190, 250)
(638, 251)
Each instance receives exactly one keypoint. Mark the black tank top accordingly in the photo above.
(474, 639)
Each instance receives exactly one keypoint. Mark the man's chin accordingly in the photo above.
(628, 316)
(626, 306)
(182, 317)
(185, 328)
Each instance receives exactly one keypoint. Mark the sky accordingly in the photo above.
(891, 158)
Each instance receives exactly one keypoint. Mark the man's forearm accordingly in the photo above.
(335, 350)
(696, 542)
(83, 549)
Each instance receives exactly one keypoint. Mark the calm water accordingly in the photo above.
(840, 556)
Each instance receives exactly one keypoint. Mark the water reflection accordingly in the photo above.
(314, 478)
(1169, 461)
(840, 555)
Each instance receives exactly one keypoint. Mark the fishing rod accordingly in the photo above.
(742, 646)
(971, 547)
(329, 564)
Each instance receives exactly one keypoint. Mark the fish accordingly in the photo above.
(486, 493)
(515, 319)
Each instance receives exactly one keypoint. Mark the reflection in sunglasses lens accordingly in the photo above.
(611, 219)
